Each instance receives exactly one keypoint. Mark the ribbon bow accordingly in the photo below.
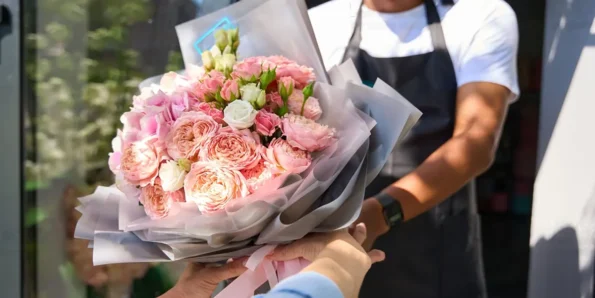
(259, 271)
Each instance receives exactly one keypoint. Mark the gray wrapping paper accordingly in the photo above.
(327, 197)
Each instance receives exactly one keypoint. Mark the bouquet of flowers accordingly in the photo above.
(229, 158)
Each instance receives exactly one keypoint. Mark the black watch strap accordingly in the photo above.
(391, 209)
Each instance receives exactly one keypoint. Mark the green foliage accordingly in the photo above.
(83, 74)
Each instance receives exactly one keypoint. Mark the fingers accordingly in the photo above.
(306, 248)
(230, 270)
(376, 256)
(359, 233)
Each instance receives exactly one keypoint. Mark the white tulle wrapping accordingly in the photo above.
(328, 196)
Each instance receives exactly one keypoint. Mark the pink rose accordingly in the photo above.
(230, 90)
(208, 86)
(279, 60)
(209, 109)
(286, 82)
(286, 158)
(266, 123)
(157, 202)
(140, 161)
(312, 108)
(213, 81)
(301, 74)
(234, 149)
(258, 176)
(273, 102)
(188, 133)
(211, 186)
(249, 69)
(305, 134)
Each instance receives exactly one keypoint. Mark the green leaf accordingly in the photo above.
(34, 185)
(34, 216)
(69, 276)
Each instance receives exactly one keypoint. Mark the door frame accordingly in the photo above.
(11, 174)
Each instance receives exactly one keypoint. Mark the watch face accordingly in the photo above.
(392, 210)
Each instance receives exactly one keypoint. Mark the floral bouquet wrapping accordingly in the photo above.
(257, 146)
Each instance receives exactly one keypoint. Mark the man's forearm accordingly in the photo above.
(447, 170)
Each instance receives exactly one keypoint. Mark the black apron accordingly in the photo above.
(437, 254)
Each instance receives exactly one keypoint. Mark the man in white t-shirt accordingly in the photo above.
(456, 62)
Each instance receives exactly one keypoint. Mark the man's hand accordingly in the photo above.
(200, 281)
(373, 218)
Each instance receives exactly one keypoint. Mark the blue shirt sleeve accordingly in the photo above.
(305, 285)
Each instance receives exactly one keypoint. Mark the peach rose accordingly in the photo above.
(258, 176)
(234, 149)
(211, 186)
(157, 202)
(266, 123)
(188, 134)
(285, 158)
(305, 134)
(140, 161)
(312, 108)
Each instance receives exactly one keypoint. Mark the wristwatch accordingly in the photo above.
(391, 209)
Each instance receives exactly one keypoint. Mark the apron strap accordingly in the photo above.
(438, 40)
(356, 37)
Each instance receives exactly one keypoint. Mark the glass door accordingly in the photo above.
(82, 62)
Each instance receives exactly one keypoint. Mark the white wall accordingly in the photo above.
(563, 223)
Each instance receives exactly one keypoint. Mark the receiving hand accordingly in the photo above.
(312, 245)
(200, 281)
(339, 256)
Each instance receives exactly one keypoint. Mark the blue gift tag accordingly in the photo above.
(207, 40)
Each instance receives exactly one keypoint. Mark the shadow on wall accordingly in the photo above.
(568, 32)
(562, 266)
(565, 261)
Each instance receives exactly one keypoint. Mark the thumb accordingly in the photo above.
(376, 256)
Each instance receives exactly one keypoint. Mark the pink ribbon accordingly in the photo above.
(259, 271)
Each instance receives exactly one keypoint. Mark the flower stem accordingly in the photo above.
(303, 106)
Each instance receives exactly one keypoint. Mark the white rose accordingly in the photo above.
(172, 176)
(239, 114)
(208, 61)
(225, 63)
(252, 94)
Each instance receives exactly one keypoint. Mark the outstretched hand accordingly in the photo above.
(312, 245)
(339, 256)
(200, 280)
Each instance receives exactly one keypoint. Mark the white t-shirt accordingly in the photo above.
(481, 36)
